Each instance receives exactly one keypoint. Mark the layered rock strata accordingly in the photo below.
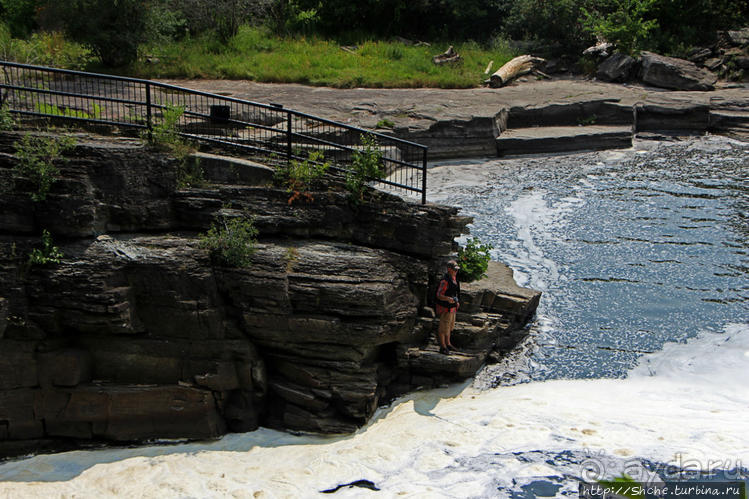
(136, 335)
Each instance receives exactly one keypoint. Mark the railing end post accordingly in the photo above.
(149, 118)
(288, 136)
(424, 176)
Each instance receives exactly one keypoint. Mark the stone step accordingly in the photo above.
(563, 139)
(607, 111)
(456, 365)
(730, 122)
(229, 170)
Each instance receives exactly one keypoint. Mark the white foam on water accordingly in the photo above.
(532, 217)
(685, 404)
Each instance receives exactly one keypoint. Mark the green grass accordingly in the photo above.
(255, 55)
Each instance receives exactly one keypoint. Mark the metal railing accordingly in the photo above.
(265, 130)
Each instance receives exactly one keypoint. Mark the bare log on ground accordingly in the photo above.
(518, 66)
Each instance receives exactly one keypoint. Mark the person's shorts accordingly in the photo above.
(447, 321)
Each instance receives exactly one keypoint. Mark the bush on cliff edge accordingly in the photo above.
(474, 260)
(231, 241)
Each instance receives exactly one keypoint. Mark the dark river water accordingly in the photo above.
(631, 248)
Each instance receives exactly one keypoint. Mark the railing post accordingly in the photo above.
(149, 122)
(288, 136)
(424, 177)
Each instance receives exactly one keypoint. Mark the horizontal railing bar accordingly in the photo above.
(69, 94)
(218, 97)
(356, 129)
(74, 72)
(233, 144)
(348, 148)
(88, 120)
(233, 121)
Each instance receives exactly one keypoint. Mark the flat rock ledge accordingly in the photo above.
(521, 118)
(137, 336)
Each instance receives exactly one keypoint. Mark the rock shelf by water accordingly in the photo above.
(136, 335)
(459, 123)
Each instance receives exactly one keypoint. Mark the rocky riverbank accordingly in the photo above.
(135, 335)
(554, 115)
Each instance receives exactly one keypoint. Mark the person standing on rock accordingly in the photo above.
(448, 303)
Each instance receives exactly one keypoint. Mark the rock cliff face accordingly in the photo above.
(135, 335)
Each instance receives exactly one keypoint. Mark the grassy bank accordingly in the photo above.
(253, 54)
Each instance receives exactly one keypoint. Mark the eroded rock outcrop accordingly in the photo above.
(137, 335)
(616, 68)
(677, 74)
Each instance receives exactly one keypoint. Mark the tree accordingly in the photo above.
(113, 28)
(222, 16)
(20, 16)
(453, 19)
(555, 23)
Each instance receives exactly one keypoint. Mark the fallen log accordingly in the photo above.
(449, 56)
(600, 49)
(518, 66)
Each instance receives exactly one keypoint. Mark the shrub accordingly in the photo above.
(48, 253)
(37, 156)
(231, 241)
(366, 166)
(474, 260)
(165, 136)
(385, 123)
(7, 122)
(297, 176)
(45, 48)
(190, 173)
(626, 26)
(164, 133)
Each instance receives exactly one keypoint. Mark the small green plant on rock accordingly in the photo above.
(165, 133)
(385, 123)
(297, 176)
(165, 137)
(48, 253)
(190, 173)
(292, 255)
(37, 156)
(474, 260)
(367, 166)
(231, 241)
(587, 120)
(7, 122)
